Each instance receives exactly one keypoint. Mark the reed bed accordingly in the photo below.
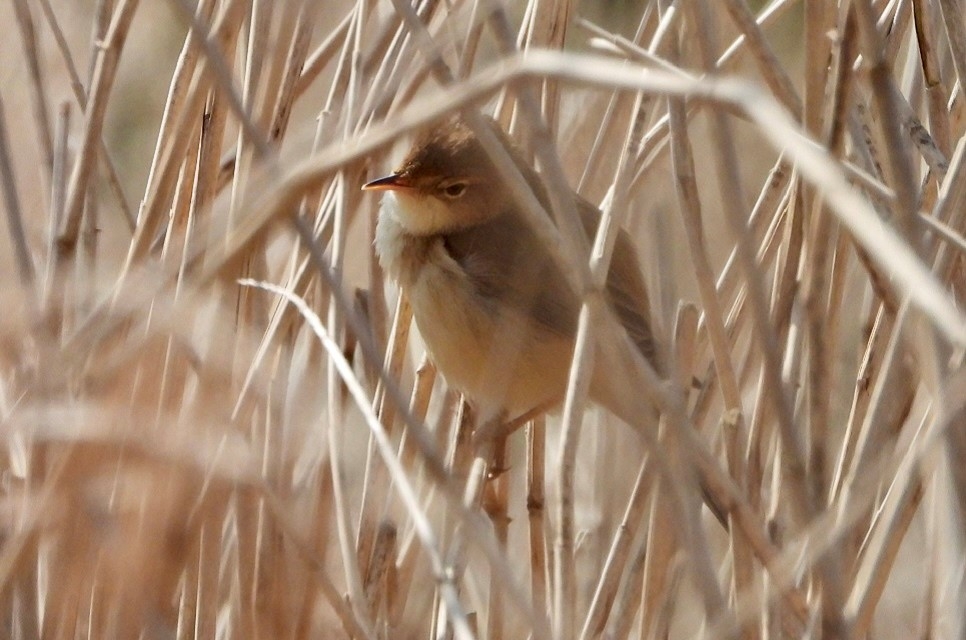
(218, 419)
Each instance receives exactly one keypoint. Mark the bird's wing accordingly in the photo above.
(626, 291)
(511, 269)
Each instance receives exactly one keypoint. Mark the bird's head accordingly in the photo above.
(447, 181)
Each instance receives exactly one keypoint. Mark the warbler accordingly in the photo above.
(496, 313)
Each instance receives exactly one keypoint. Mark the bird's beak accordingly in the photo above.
(392, 182)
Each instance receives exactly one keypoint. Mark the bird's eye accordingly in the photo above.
(454, 189)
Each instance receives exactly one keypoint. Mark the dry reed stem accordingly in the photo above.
(690, 208)
(536, 512)
(12, 202)
(620, 623)
(101, 84)
(58, 193)
(578, 387)
(732, 202)
(374, 481)
(618, 555)
(495, 503)
(40, 102)
(80, 95)
(772, 72)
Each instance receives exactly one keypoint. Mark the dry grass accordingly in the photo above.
(217, 421)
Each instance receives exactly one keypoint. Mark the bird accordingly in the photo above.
(496, 313)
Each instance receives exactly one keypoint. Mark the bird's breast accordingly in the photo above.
(452, 319)
(490, 354)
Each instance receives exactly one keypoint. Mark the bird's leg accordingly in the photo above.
(499, 426)
(485, 486)
(463, 448)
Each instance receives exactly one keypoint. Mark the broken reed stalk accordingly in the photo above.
(179, 423)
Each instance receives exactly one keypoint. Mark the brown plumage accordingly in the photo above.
(497, 315)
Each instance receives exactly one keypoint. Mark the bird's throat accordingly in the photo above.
(402, 253)
(419, 215)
